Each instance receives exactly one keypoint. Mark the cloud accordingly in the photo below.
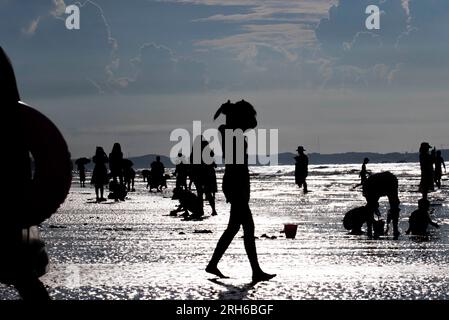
(58, 8)
(159, 70)
(31, 29)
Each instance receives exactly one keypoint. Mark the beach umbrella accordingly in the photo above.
(127, 163)
(82, 161)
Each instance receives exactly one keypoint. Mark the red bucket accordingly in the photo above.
(290, 230)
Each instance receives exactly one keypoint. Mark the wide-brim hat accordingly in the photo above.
(300, 148)
(426, 145)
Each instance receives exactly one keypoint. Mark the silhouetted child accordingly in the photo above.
(355, 218)
(146, 175)
(29, 198)
(100, 176)
(364, 173)
(236, 188)
(80, 163)
(188, 202)
(420, 219)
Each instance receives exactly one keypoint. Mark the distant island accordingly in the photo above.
(287, 158)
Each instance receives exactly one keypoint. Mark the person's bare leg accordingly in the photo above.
(211, 200)
(222, 246)
(250, 245)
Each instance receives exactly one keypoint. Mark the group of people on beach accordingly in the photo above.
(386, 184)
(120, 178)
(24, 258)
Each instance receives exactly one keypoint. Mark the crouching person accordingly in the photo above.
(420, 219)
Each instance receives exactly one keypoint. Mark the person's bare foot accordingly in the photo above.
(216, 272)
(262, 276)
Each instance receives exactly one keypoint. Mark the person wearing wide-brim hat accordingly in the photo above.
(427, 173)
(301, 168)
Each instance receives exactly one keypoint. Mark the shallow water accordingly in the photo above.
(135, 250)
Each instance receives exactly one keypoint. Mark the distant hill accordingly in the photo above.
(287, 158)
(356, 157)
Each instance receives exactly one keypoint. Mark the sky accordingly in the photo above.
(138, 69)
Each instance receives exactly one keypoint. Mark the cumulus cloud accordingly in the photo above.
(160, 70)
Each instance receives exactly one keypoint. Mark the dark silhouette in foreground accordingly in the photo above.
(35, 195)
(80, 164)
(420, 219)
(301, 168)
(100, 176)
(380, 185)
(439, 165)
(236, 188)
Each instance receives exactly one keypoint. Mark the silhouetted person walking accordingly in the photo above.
(426, 165)
(80, 164)
(116, 162)
(301, 168)
(100, 176)
(439, 165)
(35, 196)
(236, 188)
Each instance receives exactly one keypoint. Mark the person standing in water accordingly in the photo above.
(301, 168)
(100, 174)
(34, 195)
(236, 188)
(439, 163)
(426, 165)
(116, 162)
